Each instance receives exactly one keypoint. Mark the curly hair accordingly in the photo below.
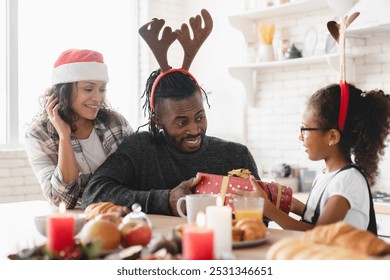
(63, 92)
(176, 85)
(366, 128)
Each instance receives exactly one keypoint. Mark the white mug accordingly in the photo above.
(194, 204)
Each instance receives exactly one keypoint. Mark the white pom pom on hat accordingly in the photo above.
(79, 65)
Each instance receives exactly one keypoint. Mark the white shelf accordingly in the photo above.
(246, 21)
(286, 63)
(246, 73)
(368, 31)
(282, 10)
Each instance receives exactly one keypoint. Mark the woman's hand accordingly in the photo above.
(62, 128)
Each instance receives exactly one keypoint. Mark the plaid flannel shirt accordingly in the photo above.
(42, 150)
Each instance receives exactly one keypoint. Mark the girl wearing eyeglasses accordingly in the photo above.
(349, 134)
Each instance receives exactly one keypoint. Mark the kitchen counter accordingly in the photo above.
(382, 213)
(380, 207)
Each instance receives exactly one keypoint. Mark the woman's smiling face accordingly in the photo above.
(87, 98)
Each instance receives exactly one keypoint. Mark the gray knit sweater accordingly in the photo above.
(143, 172)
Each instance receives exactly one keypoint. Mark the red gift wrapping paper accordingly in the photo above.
(279, 195)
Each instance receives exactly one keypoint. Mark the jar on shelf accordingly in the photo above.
(266, 53)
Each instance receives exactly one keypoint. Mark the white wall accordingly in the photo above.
(270, 127)
(225, 45)
(210, 66)
(17, 180)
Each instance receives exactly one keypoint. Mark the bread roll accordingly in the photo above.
(248, 229)
(346, 236)
(237, 234)
(275, 251)
(298, 249)
(98, 208)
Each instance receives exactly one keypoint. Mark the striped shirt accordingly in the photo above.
(42, 143)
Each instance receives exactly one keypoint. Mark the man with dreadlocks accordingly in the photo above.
(156, 168)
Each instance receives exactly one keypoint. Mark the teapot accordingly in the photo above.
(292, 52)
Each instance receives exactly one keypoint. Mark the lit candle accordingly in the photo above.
(60, 230)
(197, 240)
(219, 218)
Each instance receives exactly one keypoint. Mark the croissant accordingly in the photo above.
(346, 236)
(98, 208)
(237, 234)
(298, 249)
(248, 229)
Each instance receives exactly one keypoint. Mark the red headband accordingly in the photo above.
(159, 45)
(162, 75)
(338, 33)
(344, 100)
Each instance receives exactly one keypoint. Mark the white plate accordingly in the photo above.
(310, 42)
(249, 243)
(330, 45)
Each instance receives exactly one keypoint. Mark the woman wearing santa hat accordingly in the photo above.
(76, 130)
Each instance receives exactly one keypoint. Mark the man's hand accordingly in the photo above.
(182, 190)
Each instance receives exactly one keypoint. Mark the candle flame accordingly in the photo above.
(219, 201)
(201, 219)
(62, 207)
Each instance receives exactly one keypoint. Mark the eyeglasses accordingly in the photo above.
(303, 129)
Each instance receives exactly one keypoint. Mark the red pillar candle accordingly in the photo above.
(198, 241)
(60, 231)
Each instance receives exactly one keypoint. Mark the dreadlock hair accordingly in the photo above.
(366, 128)
(176, 85)
(63, 92)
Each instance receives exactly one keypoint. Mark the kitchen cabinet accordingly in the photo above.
(373, 18)
(383, 222)
(246, 23)
(382, 214)
(246, 72)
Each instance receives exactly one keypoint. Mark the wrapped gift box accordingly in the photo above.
(279, 195)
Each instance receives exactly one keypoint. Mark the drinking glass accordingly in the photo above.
(248, 207)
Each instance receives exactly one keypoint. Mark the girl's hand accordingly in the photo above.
(257, 190)
(62, 128)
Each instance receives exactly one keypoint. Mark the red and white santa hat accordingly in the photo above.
(79, 65)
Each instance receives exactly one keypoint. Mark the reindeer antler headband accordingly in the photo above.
(338, 32)
(150, 33)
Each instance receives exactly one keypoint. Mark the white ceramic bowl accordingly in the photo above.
(40, 223)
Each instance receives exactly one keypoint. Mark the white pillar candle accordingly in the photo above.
(219, 218)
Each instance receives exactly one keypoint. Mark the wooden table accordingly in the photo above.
(18, 230)
(165, 224)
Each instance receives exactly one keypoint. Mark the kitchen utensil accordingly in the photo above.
(310, 42)
(292, 52)
(266, 32)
